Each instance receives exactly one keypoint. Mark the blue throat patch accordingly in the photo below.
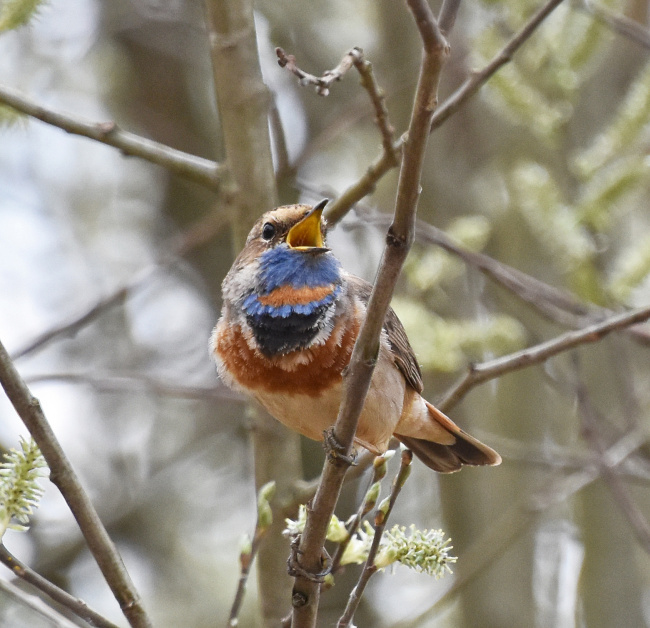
(280, 329)
(282, 266)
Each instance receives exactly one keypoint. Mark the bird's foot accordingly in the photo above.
(335, 451)
(295, 569)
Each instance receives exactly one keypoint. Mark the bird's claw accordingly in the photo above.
(295, 569)
(335, 451)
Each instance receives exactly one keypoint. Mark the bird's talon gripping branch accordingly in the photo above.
(295, 569)
(335, 451)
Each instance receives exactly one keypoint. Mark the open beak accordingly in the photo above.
(307, 234)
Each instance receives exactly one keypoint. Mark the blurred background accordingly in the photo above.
(546, 170)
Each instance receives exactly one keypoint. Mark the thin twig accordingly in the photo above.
(139, 383)
(391, 149)
(634, 516)
(620, 24)
(359, 373)
(63, 476)
(479, 373)
(369, 568)
(324, 82)
(196, 235)
(77, 606)
(246, 564)
(32, 606)
(379, 471)
(208, 173)
(378, 99)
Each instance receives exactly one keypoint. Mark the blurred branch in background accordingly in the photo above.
(197, 169)
(202, 231)
(621, 24)
(243, 102)
(501, 535)
(75, 605)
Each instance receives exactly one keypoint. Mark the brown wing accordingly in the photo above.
(403, 354)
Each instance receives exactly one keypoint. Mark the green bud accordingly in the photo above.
(371, 497)
(264, 512)
(382, 511)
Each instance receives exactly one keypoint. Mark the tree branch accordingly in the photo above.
(636, 519)
(479, 373)
(243, 102)
(77, 606)
(383, 163)
(37, 607)
(208, 173)
(63, 476)
(359, 373)
(620, 24)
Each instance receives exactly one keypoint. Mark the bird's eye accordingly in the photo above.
(268, 230)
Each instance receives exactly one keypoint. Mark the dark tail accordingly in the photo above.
(450, 458)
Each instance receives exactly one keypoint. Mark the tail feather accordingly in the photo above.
(450, 458)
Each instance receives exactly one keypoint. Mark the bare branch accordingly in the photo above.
(63, 476)
(208, 173)
(620, 24)
(36, 606)
(324, 82)
(479, 373)
(391, 149)
(611, 476)
(359, 373)
(447, 15)
(77, 606)
(139, 382)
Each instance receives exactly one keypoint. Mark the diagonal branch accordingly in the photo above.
(479, 373)
(196, 235)
(77, 606)
(620, 24)
(64, 477)
(359, 373)
(203, 171)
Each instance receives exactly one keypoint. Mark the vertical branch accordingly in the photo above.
(400, 236)
(62, 474)
(243, 101)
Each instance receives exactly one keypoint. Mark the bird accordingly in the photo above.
(290, 317)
